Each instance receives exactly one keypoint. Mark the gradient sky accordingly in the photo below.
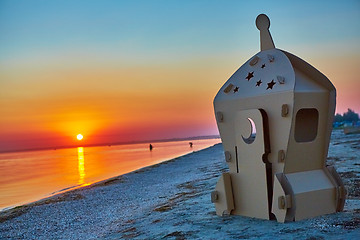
(137, 70)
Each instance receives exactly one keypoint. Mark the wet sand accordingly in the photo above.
(171, 200)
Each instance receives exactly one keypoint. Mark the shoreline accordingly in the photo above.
(172, 200)
(88, 185)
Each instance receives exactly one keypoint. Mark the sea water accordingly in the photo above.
(30, 176)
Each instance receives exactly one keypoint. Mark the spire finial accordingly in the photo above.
(263, 24)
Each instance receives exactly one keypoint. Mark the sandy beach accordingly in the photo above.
(171, 200)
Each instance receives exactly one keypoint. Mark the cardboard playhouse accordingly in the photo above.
(274, 116)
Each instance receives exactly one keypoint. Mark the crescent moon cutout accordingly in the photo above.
(250, 139)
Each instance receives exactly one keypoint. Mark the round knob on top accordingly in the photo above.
(262, 22)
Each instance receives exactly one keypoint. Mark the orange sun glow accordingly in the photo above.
(79, 137)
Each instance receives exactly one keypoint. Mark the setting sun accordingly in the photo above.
(79, 137)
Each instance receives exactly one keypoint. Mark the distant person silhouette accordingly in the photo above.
(150, 147)
(191, 144)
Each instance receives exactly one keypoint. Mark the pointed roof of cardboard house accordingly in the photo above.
(272, 71)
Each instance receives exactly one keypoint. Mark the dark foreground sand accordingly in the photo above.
(172, 201)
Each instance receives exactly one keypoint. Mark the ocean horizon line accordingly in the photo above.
(110, 144)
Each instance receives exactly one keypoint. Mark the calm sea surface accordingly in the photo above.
(30, 176)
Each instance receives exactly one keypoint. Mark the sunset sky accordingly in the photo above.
(118, 71)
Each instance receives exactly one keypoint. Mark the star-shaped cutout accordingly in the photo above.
(250, 75)
(270, 84)
(236, 89)
(258, 83)
(262, 66)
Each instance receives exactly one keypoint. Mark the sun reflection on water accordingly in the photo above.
(81, 165)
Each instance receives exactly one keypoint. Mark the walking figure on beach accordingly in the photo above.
(190, 143)
(150, 147)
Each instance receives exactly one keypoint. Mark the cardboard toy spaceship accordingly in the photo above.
(275, 117)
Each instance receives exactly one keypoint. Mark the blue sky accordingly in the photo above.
(167, 29)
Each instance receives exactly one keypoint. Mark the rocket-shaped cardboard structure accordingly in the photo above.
(275, 117)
